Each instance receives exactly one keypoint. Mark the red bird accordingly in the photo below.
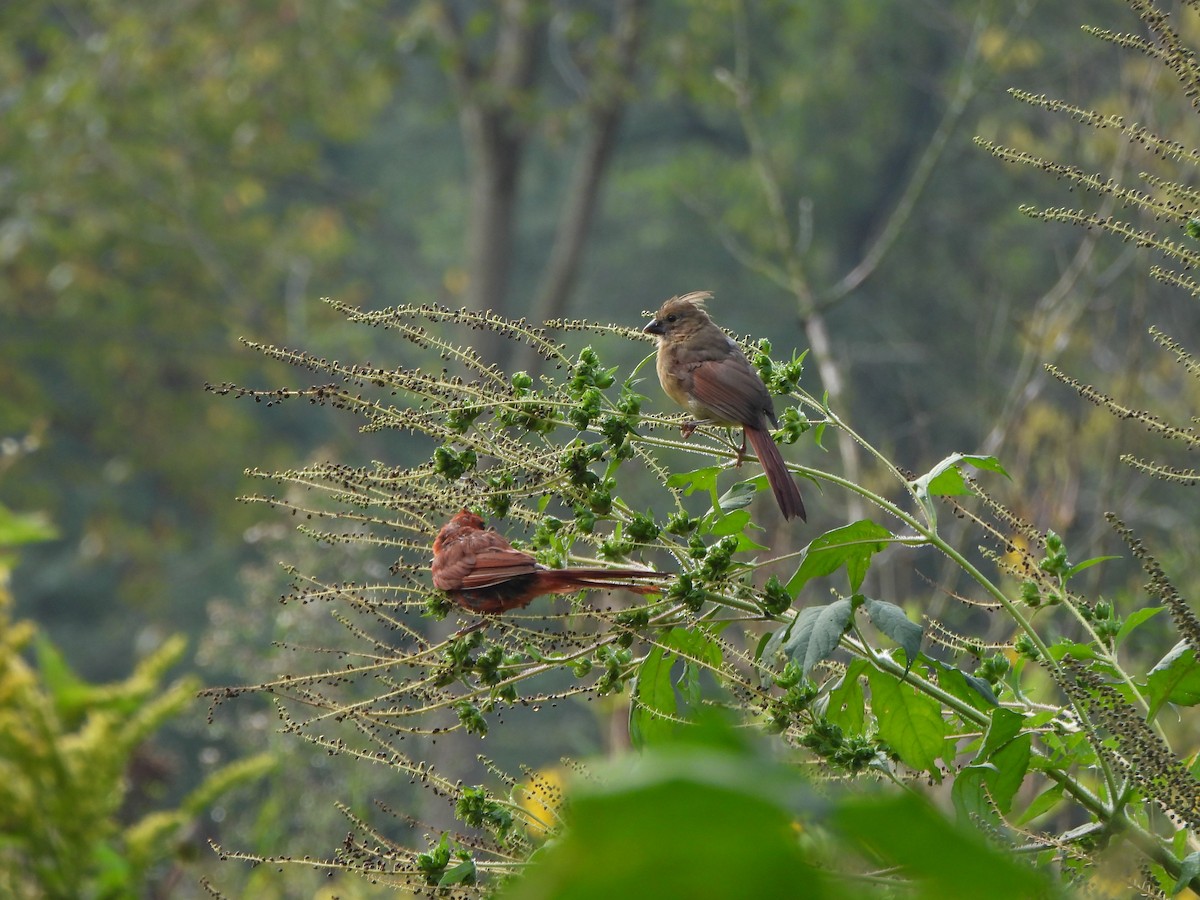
(706, 373)
(481, 571)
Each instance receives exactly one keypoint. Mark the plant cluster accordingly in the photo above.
(1027, 707)
(1029, 733)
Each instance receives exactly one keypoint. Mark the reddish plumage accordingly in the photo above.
(481, 571)
(706, 373)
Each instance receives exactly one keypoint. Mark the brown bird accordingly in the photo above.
(481, 571)
(705, 372)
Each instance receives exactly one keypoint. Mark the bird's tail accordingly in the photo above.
(566, 581)
(783, 485)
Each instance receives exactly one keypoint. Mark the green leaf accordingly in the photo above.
(851, 546)
(1135, 619)
(846, 706)
(652, 698)
(911, 723)
(971, 689)
(24, 528)
(1188, 870)
(702, 479)
(1006, 724)
(1008, 767)
(970, 796)
(1087, 564)
(689, 819)
(891, 620)
(737, 497)
(698, 651)
(1174, 679)
(945, 860)
(1042, 804)
(945, 479)
(656, 708)
(734, 523)
(982, 687)
(463, 872)
(815, 633)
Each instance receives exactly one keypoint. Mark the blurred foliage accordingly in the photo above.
(68, 751)
(167, 186)
(712, 814)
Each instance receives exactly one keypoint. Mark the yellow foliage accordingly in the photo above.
(541, 798)
(65, 746)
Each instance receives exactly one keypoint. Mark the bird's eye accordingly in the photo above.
(672, 317)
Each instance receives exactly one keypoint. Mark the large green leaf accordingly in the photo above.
(702, 479)
(891, 620)
(814, 634)
(1174, 679)
(703, 821)
(851, 546)
(1006, 724)
(1000, 767)
(845, 706)
(656, 707)
(652, 702)
(911, 723)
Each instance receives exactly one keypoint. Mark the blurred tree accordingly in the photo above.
(167, 187)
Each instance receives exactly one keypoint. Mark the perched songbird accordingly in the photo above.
(483, 572)
(705, 372)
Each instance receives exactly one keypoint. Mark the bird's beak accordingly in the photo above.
(655, 327)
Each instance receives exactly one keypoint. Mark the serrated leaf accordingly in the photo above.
(911, 723)
(1174, 679)
(652, 699)
(851, 546)
(971, 689)
(655, 706)
(702, 479)
(698, 651)
(1001, 776)
(816, 632)
(735, 523)
(891, 620)
(737, 497)
(970, 796)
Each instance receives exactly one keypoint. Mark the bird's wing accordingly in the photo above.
(732, 391)
(488, 559)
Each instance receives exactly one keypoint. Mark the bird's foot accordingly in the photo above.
(741, 453)
(688, 428)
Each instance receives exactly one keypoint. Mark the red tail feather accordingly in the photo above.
(783, 485)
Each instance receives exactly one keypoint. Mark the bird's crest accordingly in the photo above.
(697, 299)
